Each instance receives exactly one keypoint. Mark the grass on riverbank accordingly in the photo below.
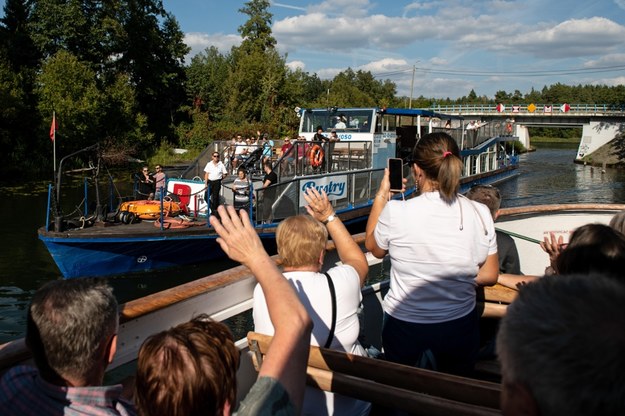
(554, 140)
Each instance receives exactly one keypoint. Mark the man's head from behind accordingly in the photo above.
(561, 347)
(301, 240)
(187, 370)
(72, 330)
(487, 195)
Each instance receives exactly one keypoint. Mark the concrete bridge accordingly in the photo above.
(601, 123)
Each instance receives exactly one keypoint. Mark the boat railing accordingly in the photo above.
(346, 190)
(341, 156)
(468, 138)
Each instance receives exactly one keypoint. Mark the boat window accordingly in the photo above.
(356, 120)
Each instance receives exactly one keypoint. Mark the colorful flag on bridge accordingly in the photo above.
(501, 108)
(547, 109)
(516, 108)
(565, 108)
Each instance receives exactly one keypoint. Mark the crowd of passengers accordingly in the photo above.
(560, 344)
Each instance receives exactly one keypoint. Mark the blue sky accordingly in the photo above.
(454, 45)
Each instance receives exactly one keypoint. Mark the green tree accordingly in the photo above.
(152, 53)
(256, 31)
(85, 113)
(206, 76)
(16, 39)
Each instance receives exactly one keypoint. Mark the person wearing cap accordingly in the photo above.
(340, 122)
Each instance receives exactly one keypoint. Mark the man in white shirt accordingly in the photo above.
(214, 172)
(340, 122)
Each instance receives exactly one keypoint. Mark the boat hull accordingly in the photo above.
(96, 253)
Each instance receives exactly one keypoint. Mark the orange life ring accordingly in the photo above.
(315, 156)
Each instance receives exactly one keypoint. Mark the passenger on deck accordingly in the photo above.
(268, 193)
(241, 190)
(286, 165)
(561, 346)
(618, 222)
(214, 173)
(72, 334)
(145, 184)
(508, 262)
(240, 152)
(592, 248)
(340, 122)
(160, 180)
(330, 149)
(301, 243)
(506, 247)
(267, 144)
(441, 246)
(191, 369)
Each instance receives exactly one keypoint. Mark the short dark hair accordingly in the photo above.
(594, 248)
(69, 323)
(187, 370)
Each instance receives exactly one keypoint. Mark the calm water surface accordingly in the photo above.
(547, 176)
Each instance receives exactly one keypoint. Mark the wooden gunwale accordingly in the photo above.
(391, 384)
(553, 208)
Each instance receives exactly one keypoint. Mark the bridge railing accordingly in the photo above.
(560, 109)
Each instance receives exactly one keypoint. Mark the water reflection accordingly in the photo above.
(549, 176)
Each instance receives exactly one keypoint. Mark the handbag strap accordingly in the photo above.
(333, 326)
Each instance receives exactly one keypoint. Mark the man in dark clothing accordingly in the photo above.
(506, 247)
(269, 192)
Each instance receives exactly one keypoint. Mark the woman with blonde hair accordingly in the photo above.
(442, 246)
(332, 299)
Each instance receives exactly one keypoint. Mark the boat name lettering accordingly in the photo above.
(331, 188)
(345, 136)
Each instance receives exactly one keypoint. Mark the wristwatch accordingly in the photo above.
(330, 218)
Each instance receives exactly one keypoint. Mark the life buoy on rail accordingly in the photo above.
(315, 156)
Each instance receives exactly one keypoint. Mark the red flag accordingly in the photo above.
(53, 128)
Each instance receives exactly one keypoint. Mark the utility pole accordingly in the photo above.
(411, 87)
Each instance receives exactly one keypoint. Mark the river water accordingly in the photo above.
(547, 175)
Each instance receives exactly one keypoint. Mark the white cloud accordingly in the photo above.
(293, 65)
(198, 42)
(615, 59)
(572, 38)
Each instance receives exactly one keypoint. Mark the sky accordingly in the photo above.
(452, 46)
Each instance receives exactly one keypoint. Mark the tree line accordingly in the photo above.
(114, 73)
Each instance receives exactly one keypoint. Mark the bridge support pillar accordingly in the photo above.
(523, 134)
(597, 133)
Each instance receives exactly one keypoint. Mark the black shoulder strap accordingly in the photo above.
(333, 326)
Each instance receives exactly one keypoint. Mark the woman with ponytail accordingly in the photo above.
(442, 246)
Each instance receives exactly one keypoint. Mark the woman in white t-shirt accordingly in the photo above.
(442, 246)
(301, 243)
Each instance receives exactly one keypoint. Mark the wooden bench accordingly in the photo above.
(391, 385)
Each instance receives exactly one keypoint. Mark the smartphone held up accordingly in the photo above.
(396, 174)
